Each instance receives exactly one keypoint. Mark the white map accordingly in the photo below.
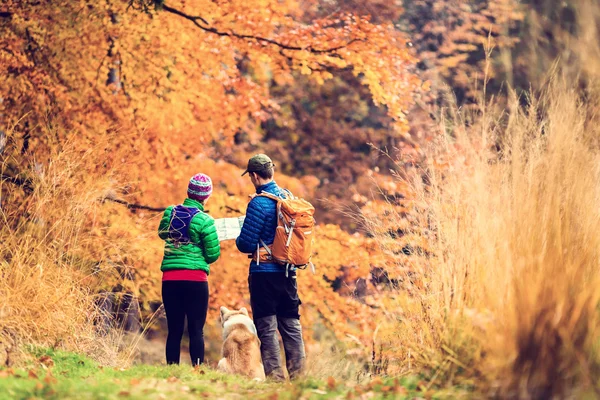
(229, 228)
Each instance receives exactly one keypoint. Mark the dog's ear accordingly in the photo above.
(223, 311)
(244, 311)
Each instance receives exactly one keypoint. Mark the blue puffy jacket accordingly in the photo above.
(260, 223)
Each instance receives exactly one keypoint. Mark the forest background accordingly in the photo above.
(108, 107)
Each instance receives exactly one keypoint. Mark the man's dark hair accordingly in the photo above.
(266, 173)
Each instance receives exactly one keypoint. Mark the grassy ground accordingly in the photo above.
(61, 375)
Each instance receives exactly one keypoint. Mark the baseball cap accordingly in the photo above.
(259, 162)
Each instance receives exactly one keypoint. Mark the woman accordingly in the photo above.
(191, 246)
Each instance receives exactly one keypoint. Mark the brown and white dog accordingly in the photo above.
(241, 346)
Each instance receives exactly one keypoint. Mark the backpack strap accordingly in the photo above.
(257, 255)
(286, 193)
(179, 224)
(261, 243)
(269, 196)
(277, 199)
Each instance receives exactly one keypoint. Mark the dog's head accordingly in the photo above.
(227, 313)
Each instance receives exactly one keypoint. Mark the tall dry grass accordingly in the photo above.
(508, 292)
(47, 276)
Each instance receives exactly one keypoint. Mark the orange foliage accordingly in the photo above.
(191, 84)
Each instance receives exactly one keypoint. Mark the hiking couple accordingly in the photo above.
(192, 245)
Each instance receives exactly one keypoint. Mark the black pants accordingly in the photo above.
(185, 299)
(272, 293)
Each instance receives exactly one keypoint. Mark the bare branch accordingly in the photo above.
(235, 210)
(258, 39)
(135, 206)
(184, 15)
(27, 186)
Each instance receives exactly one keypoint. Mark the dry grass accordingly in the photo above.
(509, 292)
(47, 281)
(327, 357)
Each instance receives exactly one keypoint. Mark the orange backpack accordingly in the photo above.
(294, 235)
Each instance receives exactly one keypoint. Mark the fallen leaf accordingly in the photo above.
(39, 386)
(172, 379)
(274, 396)
(134, 382)
(331, 383)
(47, 361)
(32, 374)
(6, 372)
(124, 393)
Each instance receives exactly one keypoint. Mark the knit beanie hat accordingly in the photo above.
(200, 187)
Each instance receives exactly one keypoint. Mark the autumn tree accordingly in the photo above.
(200, 71)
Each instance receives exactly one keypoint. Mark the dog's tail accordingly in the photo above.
(242, 335)
(241, 350)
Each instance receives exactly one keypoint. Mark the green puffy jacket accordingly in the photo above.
(204, 249)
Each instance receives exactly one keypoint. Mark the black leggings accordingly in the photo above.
(181, 299)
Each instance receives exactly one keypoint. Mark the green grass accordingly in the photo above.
(62, 375)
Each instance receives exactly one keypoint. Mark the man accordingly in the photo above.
(273, 295)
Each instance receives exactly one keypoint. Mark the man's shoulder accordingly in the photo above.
(261, 202)
(267, 197)
(277, 190)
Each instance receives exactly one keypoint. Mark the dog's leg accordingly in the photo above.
(223, 365)
(259, 373)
